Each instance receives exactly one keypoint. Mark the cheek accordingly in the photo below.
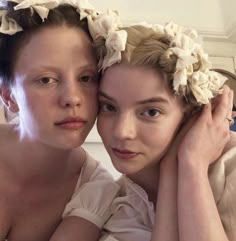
(162, 135)
(102, 127)
(158, 142)
(99, 125)
(91, 99)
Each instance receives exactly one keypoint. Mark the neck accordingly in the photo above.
(148, 179)
(36, 162)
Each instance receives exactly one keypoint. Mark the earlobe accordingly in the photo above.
(8, 99)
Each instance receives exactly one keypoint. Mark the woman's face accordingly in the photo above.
(55, 87)
(138, 117)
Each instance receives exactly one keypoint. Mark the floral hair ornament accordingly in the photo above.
(84, 8)
(8, 25)
(192, 67)
(107, 25)
(192, 75)
(42, 7)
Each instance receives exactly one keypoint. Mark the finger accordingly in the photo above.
(232, 106)
(206, 114)
(187, 125)
(232, 98)
(223, 106)
(230, 115)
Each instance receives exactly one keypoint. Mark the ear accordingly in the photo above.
(8, 99)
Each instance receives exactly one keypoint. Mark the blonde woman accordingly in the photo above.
(164, 119)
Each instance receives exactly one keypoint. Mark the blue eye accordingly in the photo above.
(151, 113)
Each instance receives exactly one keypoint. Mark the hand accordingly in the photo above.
(208, 132)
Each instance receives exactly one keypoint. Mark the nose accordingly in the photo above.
(125, 127)
(71, 94)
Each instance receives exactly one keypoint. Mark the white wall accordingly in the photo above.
(228, 8)
(96, 149)
(207, 16)
(223, 54)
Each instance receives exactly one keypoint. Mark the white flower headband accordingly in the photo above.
(204, 84)
(107, 25)
(42, 7)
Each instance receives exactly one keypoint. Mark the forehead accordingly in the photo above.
(137, 79)
(56, 44)
(130, 85)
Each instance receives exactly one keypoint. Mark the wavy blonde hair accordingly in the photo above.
(149, 48)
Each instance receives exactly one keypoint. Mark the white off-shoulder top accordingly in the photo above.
(93, 195)
(133, 214)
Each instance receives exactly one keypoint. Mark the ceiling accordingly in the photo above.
(214, 19)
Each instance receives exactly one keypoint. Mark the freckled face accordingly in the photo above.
(138, 117)
(55, 87)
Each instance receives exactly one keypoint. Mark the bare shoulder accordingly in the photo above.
(7, 144)
(82, 157)
(8, 141)
(6, 131)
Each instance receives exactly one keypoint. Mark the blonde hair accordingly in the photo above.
(148, 47)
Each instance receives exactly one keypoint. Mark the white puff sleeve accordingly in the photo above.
(222, 176)
(92, 200)
(132, 215)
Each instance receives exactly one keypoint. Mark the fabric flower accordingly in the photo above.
(42, 7)
(184, 57)
(84, 8)
(202, 58)
(115, 44)
(107, 25)
(192, 73)
(216, 81)
(180, 79)
(104, 24)
(203, 83)
(8, 25)
(172, 29)
(199, 84)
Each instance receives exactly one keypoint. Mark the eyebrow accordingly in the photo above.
(158, 99)
(49, 66)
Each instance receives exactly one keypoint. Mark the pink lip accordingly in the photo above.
(72, 123)
(124, 154)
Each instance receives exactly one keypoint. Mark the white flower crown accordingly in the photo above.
(42, 7)
(203, 83)
(107, 25)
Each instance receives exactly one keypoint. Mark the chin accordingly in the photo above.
(69, 144)
(125, 169)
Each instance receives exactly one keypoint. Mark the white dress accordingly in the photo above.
(133, 214)
(93, 195)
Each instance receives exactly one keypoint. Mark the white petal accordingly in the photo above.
(8, 25)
